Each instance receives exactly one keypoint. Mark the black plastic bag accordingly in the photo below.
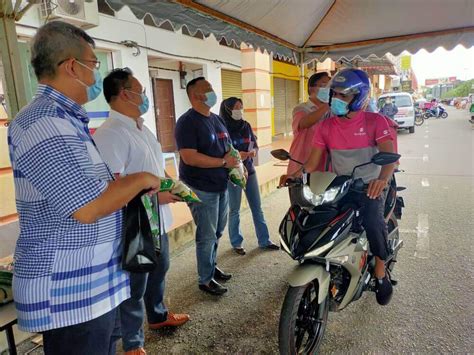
(139, 254)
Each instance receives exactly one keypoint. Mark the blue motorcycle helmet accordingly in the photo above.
(351, 82)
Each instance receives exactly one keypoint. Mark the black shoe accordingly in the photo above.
(383, 291)
(214, 288)
(271, 246)
(221, 275)
(240, 250)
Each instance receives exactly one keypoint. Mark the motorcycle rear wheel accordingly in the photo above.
(302, 320)
(393, 240)
(419, 120)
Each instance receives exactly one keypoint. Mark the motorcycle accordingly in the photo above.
(419, 119)
(441, 113)
(325, 236)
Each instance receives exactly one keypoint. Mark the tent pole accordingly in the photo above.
(10, 55)
(302, 77)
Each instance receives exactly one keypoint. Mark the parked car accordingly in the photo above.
(406, 109)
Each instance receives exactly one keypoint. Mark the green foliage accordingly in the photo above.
(461, 90)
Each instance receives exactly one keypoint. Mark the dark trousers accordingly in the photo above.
(373, 222)
(95, 337)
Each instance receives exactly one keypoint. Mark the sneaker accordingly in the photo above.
(383, 291)
(173, 320)
(139, 351)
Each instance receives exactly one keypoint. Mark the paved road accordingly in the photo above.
(432, 309)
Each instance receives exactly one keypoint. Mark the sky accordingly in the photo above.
(441, 63)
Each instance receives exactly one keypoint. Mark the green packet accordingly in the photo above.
(237, 175)
(152, 210)
(179, 189)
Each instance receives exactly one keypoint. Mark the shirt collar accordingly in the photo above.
(73, 107)
(128, 121)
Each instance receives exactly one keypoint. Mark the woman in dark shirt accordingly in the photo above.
(245, 142)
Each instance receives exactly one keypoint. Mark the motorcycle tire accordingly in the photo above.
(444, 115)
(426, 116)
(302, 320)
(419, 120)
(393, 240)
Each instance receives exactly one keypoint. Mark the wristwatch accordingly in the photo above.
(224, 163)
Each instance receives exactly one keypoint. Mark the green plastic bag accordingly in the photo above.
(152, 210)
(237, 175)
(180, 189)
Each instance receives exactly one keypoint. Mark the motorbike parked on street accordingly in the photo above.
(325, 235)
(419, 119)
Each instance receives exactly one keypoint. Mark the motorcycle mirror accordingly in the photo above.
(280, 154)
(384, 158)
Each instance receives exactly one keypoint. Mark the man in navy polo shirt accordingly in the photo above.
(203, 143)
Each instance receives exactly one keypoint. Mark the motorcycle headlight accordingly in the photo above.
(328, 196)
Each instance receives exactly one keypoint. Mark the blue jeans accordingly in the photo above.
(210, 217)
(253, 197)
(147, 292)
(95, 337)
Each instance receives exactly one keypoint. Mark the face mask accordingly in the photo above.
(144, 106)
(339, 107)
(323, 95)
(95, 89)
(211, 99)
(237, 114)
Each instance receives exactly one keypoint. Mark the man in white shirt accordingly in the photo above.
(127, 146)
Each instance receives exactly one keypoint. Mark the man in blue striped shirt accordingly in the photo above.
(68, 282)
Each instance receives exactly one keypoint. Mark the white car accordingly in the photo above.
(405, 116)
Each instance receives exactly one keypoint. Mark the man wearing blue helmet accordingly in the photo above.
(352, 136)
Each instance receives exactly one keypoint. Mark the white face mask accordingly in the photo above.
(237, 114)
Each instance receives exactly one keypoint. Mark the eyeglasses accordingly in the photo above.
(95, 61)
(133, 92)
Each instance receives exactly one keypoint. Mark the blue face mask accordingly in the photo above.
(323, 95)
(339, 107)
(211, 99)
(145, 105)
(94, 90)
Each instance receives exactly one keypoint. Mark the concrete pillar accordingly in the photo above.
(256, 85)
(212, 73)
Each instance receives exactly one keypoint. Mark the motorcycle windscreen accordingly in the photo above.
(319, 181)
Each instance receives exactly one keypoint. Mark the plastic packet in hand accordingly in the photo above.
(152, 210)
(180, 189)
(184, 192)
(237, 175)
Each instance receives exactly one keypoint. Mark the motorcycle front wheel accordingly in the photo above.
(302, 321)
(444, 115)
(419, 120)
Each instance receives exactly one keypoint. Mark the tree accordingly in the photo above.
(461, 90)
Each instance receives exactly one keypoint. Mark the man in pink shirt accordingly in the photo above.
(352, 137)
(305, 118)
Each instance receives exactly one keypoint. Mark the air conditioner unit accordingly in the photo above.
(82, 13)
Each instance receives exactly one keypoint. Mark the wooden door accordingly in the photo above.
(164, 113)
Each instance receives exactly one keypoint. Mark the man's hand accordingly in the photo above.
(244, 155)
(152, 183)
(376, 188)
(231, 162)
(284, 180)
(167, 197)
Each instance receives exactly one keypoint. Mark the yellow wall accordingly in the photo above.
(285, 71)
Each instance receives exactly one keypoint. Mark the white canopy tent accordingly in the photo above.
(316, 28)
(303, 30)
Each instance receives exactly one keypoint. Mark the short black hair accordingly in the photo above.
(313, 79)
(55, 42)
(117, 80)
(192, 83)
